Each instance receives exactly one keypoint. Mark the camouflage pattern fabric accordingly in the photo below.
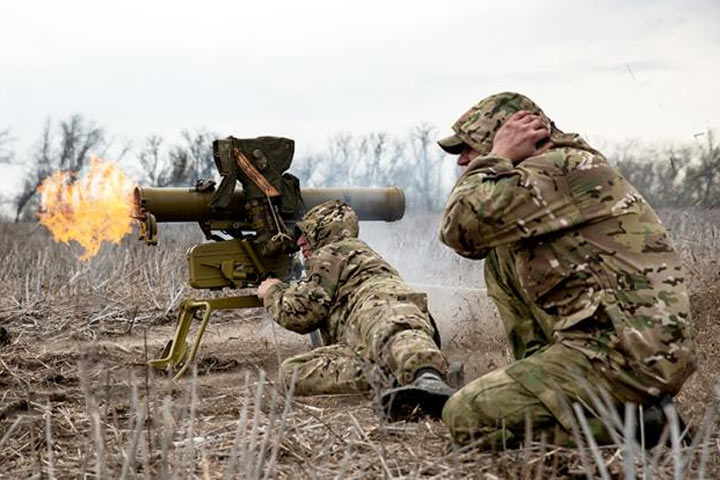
(329, 369)
(573, 256)
(366, 314)
(494, 410)
(477, 127)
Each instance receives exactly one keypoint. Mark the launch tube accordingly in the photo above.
(190, 205)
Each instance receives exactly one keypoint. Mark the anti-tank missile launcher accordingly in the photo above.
(250, 229)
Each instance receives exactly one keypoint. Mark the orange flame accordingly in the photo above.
(89, 210)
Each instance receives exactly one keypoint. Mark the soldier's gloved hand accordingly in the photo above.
(522, 136)
(265, 286)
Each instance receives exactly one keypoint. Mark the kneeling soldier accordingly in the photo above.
(583, 274)
(372, 323)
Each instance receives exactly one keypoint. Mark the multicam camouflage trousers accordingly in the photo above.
(537, 391)
(386, 341)
(536, 394)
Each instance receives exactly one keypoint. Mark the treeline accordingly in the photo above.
(69, 144)
(373, 160)
(680, 176)
(671, 177)
(413, 162)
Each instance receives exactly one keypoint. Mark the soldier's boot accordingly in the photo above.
(426, 395)
(655, 421)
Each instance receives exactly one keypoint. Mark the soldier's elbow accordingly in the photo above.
(463, 246)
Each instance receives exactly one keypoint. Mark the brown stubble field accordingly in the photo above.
(77, 401)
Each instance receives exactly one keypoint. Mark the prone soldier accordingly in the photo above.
(583, 274)
(377, 331)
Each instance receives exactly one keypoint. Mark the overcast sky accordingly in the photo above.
(309, 69)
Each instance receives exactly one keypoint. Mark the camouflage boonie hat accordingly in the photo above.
(477, 127)
(329, 222)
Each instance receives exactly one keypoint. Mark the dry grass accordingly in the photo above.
(77, 401)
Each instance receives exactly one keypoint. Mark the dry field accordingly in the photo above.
(76, 400)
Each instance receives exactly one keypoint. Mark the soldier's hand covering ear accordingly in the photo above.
(522, 136)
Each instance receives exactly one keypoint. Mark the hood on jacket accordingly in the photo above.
(477, 127)
(327, 223)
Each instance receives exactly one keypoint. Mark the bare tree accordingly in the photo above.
(378, 145)
(377, 159)
(149, 158)
(198, 145)
(651, 172)
(77, 138)
(304, 168)
(426, 184)
(7, 154)
(704, 179)
(183, 164)
(678, 176)
(178, 168)
(378, 165)
(71, 152)
(340, 159)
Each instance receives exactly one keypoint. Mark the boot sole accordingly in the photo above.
(407, 403)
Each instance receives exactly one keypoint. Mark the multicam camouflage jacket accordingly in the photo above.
(342, 273)
(581, 258)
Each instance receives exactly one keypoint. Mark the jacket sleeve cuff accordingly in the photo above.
(276, 290)
(493, 164)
